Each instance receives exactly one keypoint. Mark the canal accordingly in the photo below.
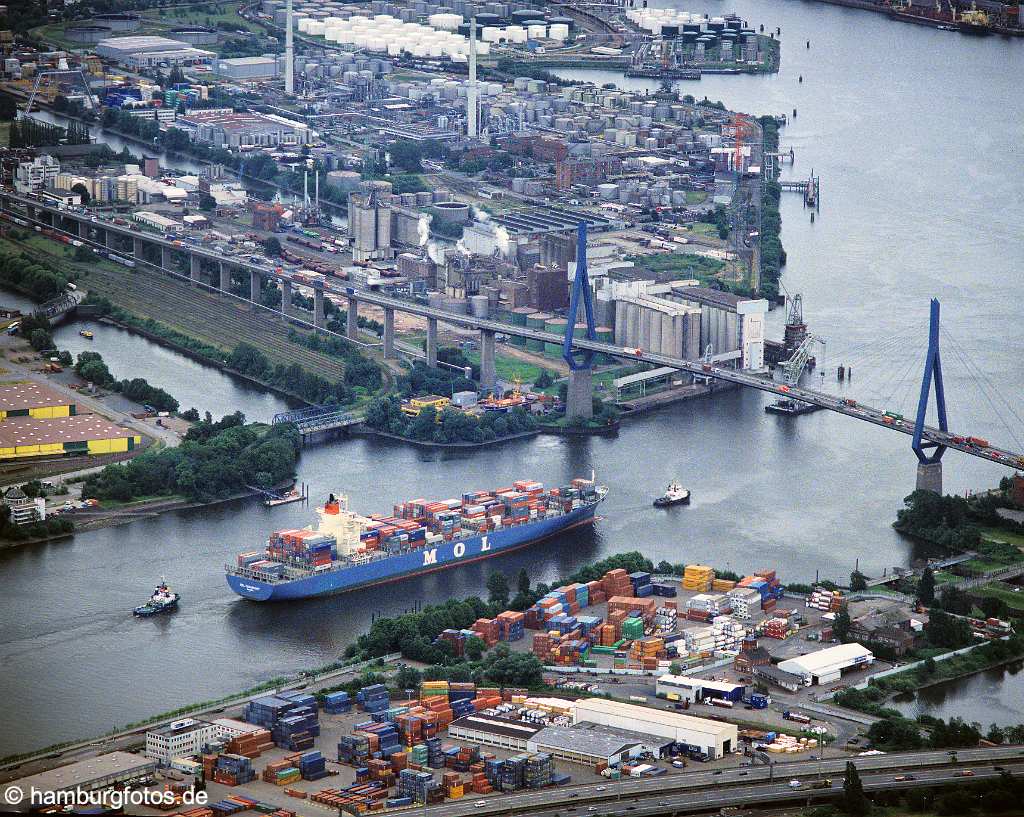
(909, 129)
(993, 696)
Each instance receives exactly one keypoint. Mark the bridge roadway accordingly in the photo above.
(699, 790)
(489, 328)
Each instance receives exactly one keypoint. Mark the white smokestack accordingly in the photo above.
(289, 55)
(471, 98)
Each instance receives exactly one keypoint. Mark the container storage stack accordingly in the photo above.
(617, 583)
(698, 577)
(746, 602)
(374, 698)
(633, 628)
(705, 606)
(700, 640)
(831, 601)
(232, 770)
(666, 620)
(511, 626)
(776, 628)
(729, 633)
(641, 584)
(337, 703)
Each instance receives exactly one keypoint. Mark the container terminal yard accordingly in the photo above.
(406, 179)
(689, 680)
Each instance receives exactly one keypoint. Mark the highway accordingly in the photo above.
(700, 789)
(840, 405)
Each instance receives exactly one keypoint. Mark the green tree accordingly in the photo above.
(474, 648)
(408, 677)
(523, 582)
(926, 587)
(207, 203)
(858, 581)
(424, 424)
(841, 626)
(407, 155)
(855, 802)
(497, 588)
(272, 247)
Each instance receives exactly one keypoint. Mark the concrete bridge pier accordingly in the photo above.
(225, 277)
(929, 477)
(255, 287)
(194, 268)
(139, 249)
(352, 319)
(319, 316)
(83, 230)
(488, 373)
(432, 342)
(110, 239)
(166, 257)
(389, 332)
(286, 299)
(579, 401)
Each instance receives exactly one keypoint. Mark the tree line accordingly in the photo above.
(215, 460)
(451, 425)
(90, 366)
(30, 133)
(18, 271)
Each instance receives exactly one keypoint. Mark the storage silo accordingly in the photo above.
(555, 326)
(519, 317)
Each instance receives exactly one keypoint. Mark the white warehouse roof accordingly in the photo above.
(828, 660)
(652, 721)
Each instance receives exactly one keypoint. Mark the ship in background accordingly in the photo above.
(347, 551)
(977, 17)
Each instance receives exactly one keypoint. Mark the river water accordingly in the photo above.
(993, 696)
(915, 134)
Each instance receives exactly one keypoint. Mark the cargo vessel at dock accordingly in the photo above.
(347, 551)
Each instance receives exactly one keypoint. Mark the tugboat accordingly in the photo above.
(162, 601)
(675, 494)
(85, 333)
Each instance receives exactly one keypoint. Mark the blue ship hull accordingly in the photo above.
(414, 563)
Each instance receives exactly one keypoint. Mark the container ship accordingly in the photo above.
(347, 551)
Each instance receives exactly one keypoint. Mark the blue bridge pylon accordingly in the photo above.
(929, 454)
(580, 359)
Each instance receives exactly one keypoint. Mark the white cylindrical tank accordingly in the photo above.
(536, 32)
(492, 34)
(515, 34)
(558, 31)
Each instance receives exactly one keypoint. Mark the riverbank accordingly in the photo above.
(365, 431)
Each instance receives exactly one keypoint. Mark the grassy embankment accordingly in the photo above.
(196, 313)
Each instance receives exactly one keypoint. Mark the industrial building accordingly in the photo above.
(92, 774)
(370, 225)
(182, 738)
(713, 738)
(695, 690)
(658, 325)
(222, 127)
(591, 745)
(243, 68)
(146, 51)
(28, 399)
(489, 730)
(71, 435)
(827, 666)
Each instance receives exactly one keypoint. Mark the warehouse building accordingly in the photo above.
(245, 68)
(589, 745)
(773, 675)
(182, 738)
(92, 774)
(713, 738)
(223, 127)
(28, 399)
(827, 666)
(695, 690)
(146, 51)
(488, 730)
(72, 436)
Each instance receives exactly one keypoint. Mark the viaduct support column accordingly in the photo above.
(109, 239)
(83, 230)
(137, 249)
(194, 268)
(389, 332)
(488, 374)
(352, 319)
(929, 477)
(255, 287)
(225, 277)
(166, 258)
(319, 318)
(579, 400)
(286, 299)
(432, 342)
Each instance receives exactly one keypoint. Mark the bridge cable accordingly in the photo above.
(981, 381)
(879, 377)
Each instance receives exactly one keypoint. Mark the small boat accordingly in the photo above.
(947, 28)
(675, 494)
(162, 601)
(85, 333)
(289, 496)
